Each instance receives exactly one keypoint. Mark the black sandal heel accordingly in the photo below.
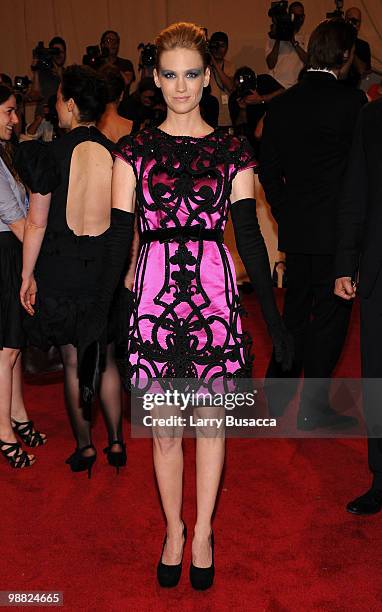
(29, 435)
(14, 454)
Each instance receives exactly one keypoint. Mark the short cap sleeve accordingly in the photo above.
(36, 166)
(244, 155)
(125, 150)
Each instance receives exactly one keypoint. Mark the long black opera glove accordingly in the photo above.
(252, 250)
(92, 341)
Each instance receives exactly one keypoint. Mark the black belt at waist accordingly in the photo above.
(182, 234)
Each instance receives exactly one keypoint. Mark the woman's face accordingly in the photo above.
(8, 118)
(63, 112)
(181, 76)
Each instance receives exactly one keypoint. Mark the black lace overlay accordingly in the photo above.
(186, 316)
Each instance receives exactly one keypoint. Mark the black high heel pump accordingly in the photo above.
(80, 463)
(169, 575)
(116, 459)
(202, 578)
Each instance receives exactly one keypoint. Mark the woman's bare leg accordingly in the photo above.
(210, 451)
(8, 360)
(168, 463)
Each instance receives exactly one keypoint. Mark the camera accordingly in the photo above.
(283, 26)
(246, 82)
(338, 13)
(93, 56)
(21, 83)
(148, 55)
(44, 56)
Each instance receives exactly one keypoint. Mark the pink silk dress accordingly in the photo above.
(186, 318)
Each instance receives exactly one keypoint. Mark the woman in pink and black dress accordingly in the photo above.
(184, 178)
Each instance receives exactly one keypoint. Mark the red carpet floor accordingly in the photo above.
(283, 539)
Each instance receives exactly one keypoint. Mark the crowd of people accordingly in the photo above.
(112, 212)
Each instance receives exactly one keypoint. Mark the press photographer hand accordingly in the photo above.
(253, 98)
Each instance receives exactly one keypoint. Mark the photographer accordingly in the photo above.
(145, 107)
(285, 51)
(248, 102)
(109, 49)
(47, 66)
(44, 127)
(222, 71)
(362, 54)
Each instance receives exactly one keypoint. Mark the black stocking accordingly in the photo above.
(80, 426)
(111, 397)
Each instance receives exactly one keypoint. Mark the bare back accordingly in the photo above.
(89, 190)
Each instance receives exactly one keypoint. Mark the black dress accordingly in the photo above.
(13, 207)
(68, 267)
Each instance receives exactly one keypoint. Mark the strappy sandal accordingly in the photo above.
(29, 435)
(14, 454)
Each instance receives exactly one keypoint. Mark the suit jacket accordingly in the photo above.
(360, 208)
(306, 140)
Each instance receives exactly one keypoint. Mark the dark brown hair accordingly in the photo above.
(182, 35)
(329, 42)
(88, 89)
(114, 81)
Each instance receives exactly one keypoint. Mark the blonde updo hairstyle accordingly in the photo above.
(182, 35)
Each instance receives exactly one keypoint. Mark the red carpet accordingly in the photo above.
(283, 540)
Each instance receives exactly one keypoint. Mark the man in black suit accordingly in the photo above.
(360, 249)
(306, 140)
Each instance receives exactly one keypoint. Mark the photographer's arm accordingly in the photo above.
(227, 81)
(34, 91)
(128, 77)
(299, 50)
(256, 98)
(273, 56)
(33, 128)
